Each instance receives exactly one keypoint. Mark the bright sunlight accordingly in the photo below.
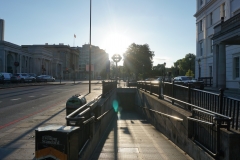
(116, 43)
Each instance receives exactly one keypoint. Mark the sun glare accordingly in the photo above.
(116, 43)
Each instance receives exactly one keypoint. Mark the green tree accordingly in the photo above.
(138, 59)
(182, 66)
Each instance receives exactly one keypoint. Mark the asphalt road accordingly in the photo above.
(22, 102)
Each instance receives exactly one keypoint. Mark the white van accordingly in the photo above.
(7, 76)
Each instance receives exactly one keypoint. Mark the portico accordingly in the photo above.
(225, 66)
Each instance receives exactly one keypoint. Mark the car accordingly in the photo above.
(5, 77)
(32, 76)
(185, 80)
(20, 77)
(45, 78)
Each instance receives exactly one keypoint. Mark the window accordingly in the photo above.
(211, 45)
(200, 2)
(210, 71)
(236, 62)
(211, 18)
(201, 48)
(223, 10)
(200, 26)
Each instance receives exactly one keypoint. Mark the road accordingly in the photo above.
(19, 103)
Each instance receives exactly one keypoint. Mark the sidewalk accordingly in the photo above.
(17, 141)
(234, 93)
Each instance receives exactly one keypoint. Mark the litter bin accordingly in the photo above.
(74, 103)
(57, 142)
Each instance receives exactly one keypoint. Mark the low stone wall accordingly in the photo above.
(177, 132)
(99, 127)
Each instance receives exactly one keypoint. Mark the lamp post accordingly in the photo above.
(90, 35)
(199, 68)
(164, 64)
(190, 58)
(143, 72)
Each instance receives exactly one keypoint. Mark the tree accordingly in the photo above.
(138, 59)
(182, 66)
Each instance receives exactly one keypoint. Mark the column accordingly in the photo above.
(222, 66)
(215, 65)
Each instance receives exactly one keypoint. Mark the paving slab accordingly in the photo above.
(132, 137)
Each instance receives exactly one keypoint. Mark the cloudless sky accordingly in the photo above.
(167, 26)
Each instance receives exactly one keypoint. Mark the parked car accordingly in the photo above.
(20, 77)
(5, 77)
(45, 78)
(185, 80)
(32, 76)
(1, 78)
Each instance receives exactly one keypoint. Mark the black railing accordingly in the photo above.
(208, 81)
(107, 87)
(218, 103)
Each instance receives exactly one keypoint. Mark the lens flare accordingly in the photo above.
(115, 105)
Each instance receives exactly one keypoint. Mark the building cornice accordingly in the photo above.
(204, 8)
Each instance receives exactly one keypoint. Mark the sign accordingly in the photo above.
(87, 68)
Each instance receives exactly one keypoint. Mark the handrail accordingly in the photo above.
(84, 146)
(167, 115)
(200, 121)
(101, 116)
(89, 120)
(198, 107)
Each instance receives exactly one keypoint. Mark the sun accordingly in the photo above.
(116, 43)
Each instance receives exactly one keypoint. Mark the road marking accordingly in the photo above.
(31, 96)
(15, 99)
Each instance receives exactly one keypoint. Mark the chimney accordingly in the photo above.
(1, 30)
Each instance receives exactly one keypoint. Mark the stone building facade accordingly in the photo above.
(99, 61)
(218, 42)
(56, 60)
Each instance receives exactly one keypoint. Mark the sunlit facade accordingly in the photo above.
(218, 42)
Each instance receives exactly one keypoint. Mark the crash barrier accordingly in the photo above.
(208, 81)
(74, 103)
(218, 103)
(107, 87)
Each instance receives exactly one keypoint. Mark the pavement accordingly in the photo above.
(132, 137)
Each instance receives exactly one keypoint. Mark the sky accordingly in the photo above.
(167, 26)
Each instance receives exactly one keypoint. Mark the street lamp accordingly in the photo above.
(143, 72)
(190, 58)
(164, 64)
(199, 68)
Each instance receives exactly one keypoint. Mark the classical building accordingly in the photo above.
(99, 61)
(54, 59)
(218, 42)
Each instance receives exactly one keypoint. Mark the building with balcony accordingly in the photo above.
(218, 42)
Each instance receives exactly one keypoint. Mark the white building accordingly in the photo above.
(218, 42)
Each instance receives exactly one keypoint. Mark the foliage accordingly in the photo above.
(182, 66)
(138, 60)
(190, 73)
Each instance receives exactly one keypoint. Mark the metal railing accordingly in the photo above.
(107, 87)
(208, 81)
(218, 103)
